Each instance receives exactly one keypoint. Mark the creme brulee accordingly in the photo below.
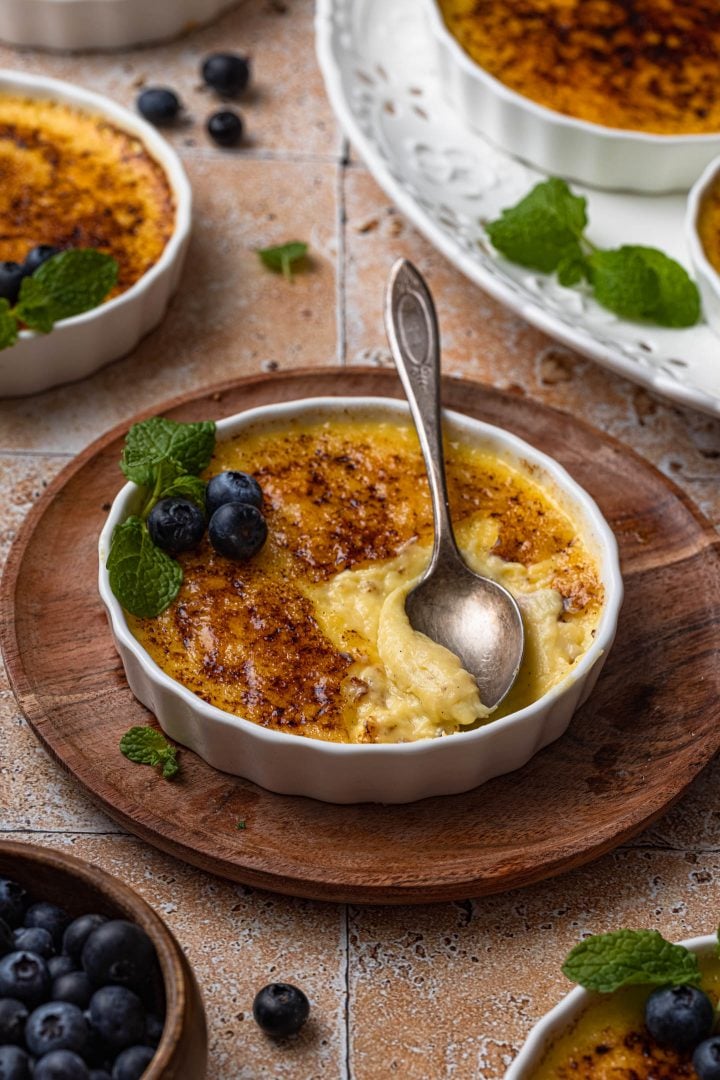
(642, 65)
(311, 636)
(708, 224)
(609, 1041)
(71, 179)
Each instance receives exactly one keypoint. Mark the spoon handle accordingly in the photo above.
(412, 331)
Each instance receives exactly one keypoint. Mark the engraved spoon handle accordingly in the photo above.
(412, 331)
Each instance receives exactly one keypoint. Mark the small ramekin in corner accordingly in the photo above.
(708, 277)
(612, 158)
(565, 1014)
(78, 346)
(383, 772)
(102, 24)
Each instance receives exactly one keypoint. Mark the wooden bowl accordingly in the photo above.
(79, 887)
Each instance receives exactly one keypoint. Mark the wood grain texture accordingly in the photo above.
(81, 888)
(648, 729)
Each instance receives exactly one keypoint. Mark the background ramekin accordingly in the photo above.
(707, 276)
(565, 1013)
(76, 347)
(388, 773)
(563, 145)
(101, 24)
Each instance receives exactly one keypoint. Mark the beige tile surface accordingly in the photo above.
(431, 992)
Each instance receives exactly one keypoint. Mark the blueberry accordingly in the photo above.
(679, 1016)
(280, 1009)
(48, 917)
(61, 965)
(159, 105)
(118, 1016)
(237, 530)
(78, 932)
(61, 1065)
(40, 254)
(24, 976)
(33, 939)
(13, 1016)
(132, 1063)
(227, 73)
(225, 128)
(56, 1025)
(176, 525)
(99, 1074)
(7, 941)
(706, 1059)
(74, 987)
(231, 486)
(11, 275)
(153, 1029)
(119, 952)
(13, 901)
(14, 1064)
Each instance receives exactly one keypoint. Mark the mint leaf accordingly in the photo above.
(147, 746)
(34, 307)
(186, 487)
(142, 577)
(189, 446)
(623, 281)
(630, 957)
(8, 325)
(571, 270)
(679, 301)
(543, 229)
(65, 285)
(280, 259)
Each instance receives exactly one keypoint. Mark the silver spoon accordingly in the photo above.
(470, 615)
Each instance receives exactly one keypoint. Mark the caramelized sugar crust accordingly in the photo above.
(630, 1056)
(645, 65)
(71, 179)
(338, 495)
(709, 225)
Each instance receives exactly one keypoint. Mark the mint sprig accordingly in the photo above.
(143, 578)
(545, 232)
(184, 448)
(281, 259)
(64, 285)
(147, 746)
(606, 962)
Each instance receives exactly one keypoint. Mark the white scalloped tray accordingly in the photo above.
(378, 61)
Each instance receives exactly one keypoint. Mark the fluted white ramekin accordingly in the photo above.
(563, 145)
(567, 1012)
(388, 773)
(707, 276)
(79, 346)
(102, 24)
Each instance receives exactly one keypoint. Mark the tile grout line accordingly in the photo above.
(340, 312)
(346, 938)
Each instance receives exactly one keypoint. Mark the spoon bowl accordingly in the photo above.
(472, 616)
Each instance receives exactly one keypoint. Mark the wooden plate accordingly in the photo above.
(648, 729)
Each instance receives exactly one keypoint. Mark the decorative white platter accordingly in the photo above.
(378, 62)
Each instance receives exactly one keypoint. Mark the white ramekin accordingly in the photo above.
(566, 1013)
(102, 24)
(707, 275)
(388, 773)
(563, 145)
(76, 347)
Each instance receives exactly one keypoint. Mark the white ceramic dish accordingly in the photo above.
(707, 276)
(390, 773)
(565, 1013)
(79, 346)
(101, 24)
(601, 156)
(381, 73)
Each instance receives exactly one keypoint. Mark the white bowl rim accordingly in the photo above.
(607, 556)
(542, 112)
(159, 149)
(697, 193)
(567, 1009)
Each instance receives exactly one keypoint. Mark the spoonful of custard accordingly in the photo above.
(472, 616)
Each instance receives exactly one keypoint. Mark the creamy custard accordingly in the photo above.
(644, 65)
(609, 1041)
(708, 224)
(71, 179)
(311, 635)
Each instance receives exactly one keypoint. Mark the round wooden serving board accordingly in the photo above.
(649, 727)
